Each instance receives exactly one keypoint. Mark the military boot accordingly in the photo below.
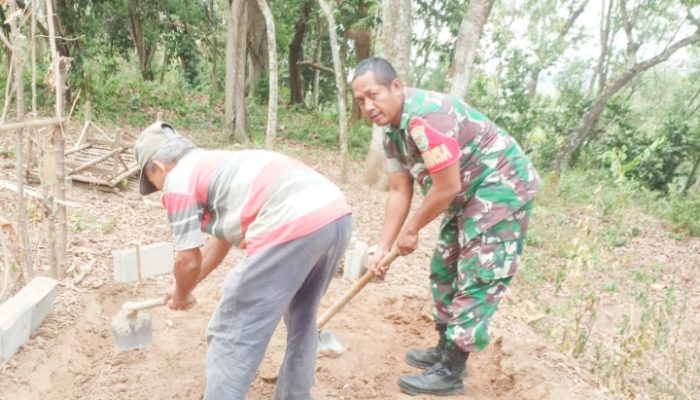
(425, 358)
(443, 378)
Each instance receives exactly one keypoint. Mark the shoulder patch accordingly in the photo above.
(419, 137)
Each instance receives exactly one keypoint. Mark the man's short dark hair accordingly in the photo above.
(384, 72)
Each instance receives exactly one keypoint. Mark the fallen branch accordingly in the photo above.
(13, 126)
(33, 193)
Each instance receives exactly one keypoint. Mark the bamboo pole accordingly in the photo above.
(59, 244)
(35, 114)
(98, 160)
(37, 123)
(19, 146)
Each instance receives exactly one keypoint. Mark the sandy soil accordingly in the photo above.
(73, 356)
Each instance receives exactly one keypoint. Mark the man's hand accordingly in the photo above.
(176, 300)
(373, 264)
(407, 241)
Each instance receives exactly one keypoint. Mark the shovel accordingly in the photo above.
(132, 329)
(327, 343)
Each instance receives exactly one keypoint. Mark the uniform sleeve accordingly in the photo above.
(437, 149)
(391, 149)
(185, 220)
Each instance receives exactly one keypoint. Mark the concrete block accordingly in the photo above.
(15, 325)
(355, 260)
(156, 259)
(41, 292)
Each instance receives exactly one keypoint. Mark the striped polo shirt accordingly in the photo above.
(253, 199)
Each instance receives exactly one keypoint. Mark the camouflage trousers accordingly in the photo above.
(469, 277)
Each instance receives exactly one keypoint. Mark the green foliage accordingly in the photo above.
(684, 212)
(652, 160)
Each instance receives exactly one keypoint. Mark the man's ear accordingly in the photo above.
(158, 164)
(397, 86)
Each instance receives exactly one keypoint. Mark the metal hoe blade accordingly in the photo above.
(132, 330)
(328, 344)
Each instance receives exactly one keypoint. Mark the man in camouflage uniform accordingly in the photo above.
(475, 175)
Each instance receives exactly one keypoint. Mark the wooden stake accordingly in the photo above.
(19, 147)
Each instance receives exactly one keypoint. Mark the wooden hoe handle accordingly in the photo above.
(354, 290)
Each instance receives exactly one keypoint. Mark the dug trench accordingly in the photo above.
(72, 356)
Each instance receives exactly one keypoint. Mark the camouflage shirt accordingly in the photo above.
(438, 130)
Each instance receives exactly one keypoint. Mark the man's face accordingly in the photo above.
(381, 104)
(157, 174)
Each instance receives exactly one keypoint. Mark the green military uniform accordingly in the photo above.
(483, 230)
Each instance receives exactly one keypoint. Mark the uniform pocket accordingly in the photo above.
(498, 258)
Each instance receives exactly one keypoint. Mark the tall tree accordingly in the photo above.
(587, 127)
(600, 72)
(235, 117)
(144, 40)
(296, 55)
(340, 82)
(548, 48)
(360, 32)
(467, 45)
(272, 52)
(395, 46)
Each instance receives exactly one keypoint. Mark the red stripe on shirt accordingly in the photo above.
(203, 172)
(299, 227)
(260, 187)
(174, 202)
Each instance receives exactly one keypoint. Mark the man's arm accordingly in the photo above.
(398, 204)
(446, 185)
(186, 270)
(213, 253)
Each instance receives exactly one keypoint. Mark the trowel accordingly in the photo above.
(132, 328)
(327, 343)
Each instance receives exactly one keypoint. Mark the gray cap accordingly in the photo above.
(149, 141)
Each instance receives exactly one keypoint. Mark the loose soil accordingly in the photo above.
(72, 356)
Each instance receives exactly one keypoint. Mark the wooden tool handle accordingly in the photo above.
(354, 290)
(146, 304)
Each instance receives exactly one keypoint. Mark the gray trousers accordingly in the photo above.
(287, 281)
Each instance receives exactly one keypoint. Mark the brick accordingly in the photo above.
(41, 292)
(355, 260)
(15, 325)
(156, 259)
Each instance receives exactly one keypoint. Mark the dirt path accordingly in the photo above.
(73, 357)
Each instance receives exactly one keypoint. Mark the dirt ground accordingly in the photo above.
(72, 356)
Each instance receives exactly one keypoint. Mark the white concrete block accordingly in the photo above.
(156, 259)
(355, 260)
(15, 325)
(41, 292)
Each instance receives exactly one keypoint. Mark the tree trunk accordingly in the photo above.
(600, 72)
(272, 55)
(58, 244)
(362, 38)
(395, 46)
(467, 45)
(340, 83)
(240, 132)
(396, 38)
(144, 50)
(256, 37)
(590, 119)
(545, 56)
(317, 59)
(19, 146)
(234, 117)
(296, 54)
(692, 174)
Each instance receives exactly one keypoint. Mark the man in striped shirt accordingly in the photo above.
(294, 225)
